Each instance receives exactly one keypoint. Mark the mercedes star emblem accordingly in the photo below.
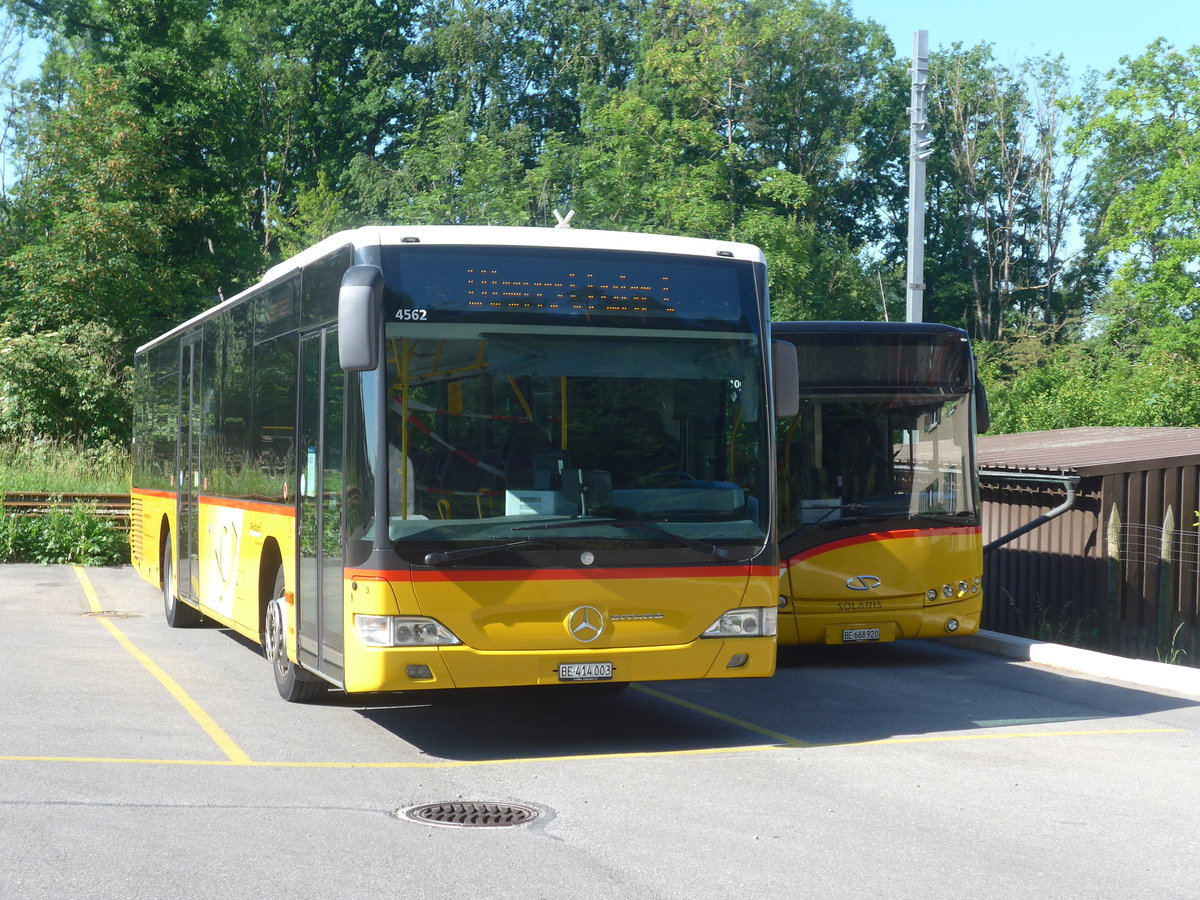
(585, 624)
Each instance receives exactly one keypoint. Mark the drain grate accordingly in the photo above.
(472, 814)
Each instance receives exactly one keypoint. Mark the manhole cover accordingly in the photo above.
(472, 814)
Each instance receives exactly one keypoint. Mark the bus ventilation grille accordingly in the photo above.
(472, 814)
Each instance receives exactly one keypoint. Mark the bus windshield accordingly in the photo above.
(884, 432)
(492, 428)
(867, 458)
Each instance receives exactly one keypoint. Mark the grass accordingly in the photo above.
(39, 465)
(1171, 653)
(1056, 625)
(76, 535)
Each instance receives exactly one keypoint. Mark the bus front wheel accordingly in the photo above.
(294, 684)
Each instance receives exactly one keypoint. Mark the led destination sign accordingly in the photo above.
(426, 284)
(492, 289)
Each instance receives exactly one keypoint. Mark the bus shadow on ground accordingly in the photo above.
(538, 722)
(546, 722)
(930, 689)
(820, 696)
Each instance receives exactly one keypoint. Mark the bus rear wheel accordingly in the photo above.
(293, 683)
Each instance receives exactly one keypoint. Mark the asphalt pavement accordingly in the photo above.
(138, 760)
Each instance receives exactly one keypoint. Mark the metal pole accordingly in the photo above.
(920, 141)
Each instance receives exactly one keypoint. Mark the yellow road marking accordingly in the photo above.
(583, 757)
(203, 719)
(1008, 735)
(713, 714)
(427, 764)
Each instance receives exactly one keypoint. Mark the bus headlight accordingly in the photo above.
(402, 631)
(751, 622)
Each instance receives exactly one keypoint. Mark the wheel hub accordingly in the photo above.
(276, 644)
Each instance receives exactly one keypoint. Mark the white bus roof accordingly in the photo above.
(507, 236)
(486, 235)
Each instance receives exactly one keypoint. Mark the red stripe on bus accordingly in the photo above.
(261, 506)
(880, 536)
(657, 572)
(162, 495)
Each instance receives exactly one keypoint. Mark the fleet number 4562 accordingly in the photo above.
(412, 315)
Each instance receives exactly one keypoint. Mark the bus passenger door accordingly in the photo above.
(320, 639)
(188, 513)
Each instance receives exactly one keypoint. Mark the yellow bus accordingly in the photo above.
(879, 522)
(439, 457)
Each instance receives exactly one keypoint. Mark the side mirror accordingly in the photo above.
(360, 312)
(785, 379)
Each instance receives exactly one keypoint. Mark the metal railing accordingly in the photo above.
(38, 503)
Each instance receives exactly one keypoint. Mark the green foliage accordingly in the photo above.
(76, 536)
(72, 383)
(1169, 651)
(320, 212)
(1035, 383)
(172, 148)
(1004, 190)
(108, 226)
(1146, 182)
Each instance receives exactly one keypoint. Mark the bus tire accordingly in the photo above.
(178, 613)
(293, 683)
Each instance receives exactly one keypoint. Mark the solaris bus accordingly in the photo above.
(879, 522)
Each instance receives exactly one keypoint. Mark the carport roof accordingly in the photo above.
(1090, 451)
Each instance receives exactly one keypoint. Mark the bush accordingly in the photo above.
(75, 535)
(70, 385)
(1035, 384)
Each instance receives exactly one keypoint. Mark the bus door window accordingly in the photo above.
(319, 600)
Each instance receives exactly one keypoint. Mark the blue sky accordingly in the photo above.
(1092, 34)
(1089, 35)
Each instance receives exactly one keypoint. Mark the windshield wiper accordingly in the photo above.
(944, 518)
(829, 511)
(861, 512)
(703, 546)
(441, 557)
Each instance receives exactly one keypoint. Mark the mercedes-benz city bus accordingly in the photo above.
(438, 457)
(879, 520)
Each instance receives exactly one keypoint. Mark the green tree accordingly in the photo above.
(313, 86)
(1004, 192)
(744, 120)
(72, 384)
(1036, 381)
(106, 217)
(1145, 196)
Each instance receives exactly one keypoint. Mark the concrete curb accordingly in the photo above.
(1179, 679)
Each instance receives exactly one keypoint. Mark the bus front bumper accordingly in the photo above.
(425, 668)
(825, 627)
